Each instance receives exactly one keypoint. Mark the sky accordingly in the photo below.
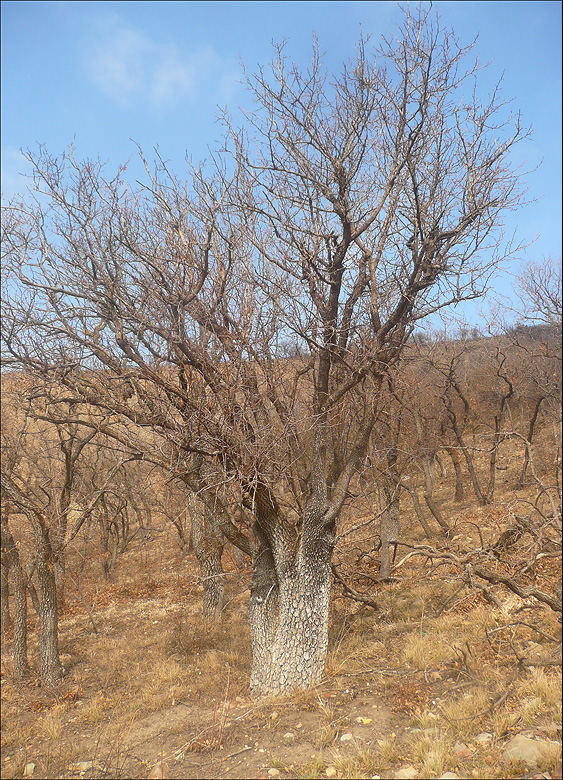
(109, 75)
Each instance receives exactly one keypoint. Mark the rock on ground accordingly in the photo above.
(406, 772)
(521, 748)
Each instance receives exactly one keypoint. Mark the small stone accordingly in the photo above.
(29, 769)
(406, 772)
(274, 772)
(484, 737)
(463, 751)
(331, 771)
(521, 748)
(274, 716)
(299, 726)
(363, 721)
(84, 766)
(289, 738)
(159, 771)
(346, 737)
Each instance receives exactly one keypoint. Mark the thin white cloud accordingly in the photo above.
(127, 66)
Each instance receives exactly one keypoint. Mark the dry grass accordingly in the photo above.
(445, 674)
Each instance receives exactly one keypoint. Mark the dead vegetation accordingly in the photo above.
(415, 681)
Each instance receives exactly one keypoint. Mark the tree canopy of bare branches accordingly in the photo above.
(342, 212)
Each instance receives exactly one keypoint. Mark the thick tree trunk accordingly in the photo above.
(262, 611)
(290, 628)
(289, 603)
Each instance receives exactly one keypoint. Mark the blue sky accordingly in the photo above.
(104, 73)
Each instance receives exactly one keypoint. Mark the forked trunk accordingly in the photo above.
(289, 603)
(289, 625)
(456, 460)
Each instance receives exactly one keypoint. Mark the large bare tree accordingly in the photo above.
(341, 213)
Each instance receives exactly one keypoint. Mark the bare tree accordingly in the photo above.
(538, 287)
(344, 213)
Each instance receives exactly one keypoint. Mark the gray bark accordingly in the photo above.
(208, 544)
(289, 627)
(21, 664)
(289, 604)
(51, 668)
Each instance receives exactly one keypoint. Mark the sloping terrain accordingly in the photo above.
(436, 679)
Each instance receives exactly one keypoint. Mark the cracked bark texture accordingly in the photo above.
(289, 604)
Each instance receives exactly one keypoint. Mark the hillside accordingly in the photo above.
(436, 678)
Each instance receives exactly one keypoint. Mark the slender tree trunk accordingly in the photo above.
(6, 620)
(208, 545)
(522, 478)
(419, 513)
(5, 617)
(19, 582)
(473, 474)
(463, 446)
(459, 494)
(428, 469)
(30, 571)
(389, 529)
(51, 668)
(60, 581)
